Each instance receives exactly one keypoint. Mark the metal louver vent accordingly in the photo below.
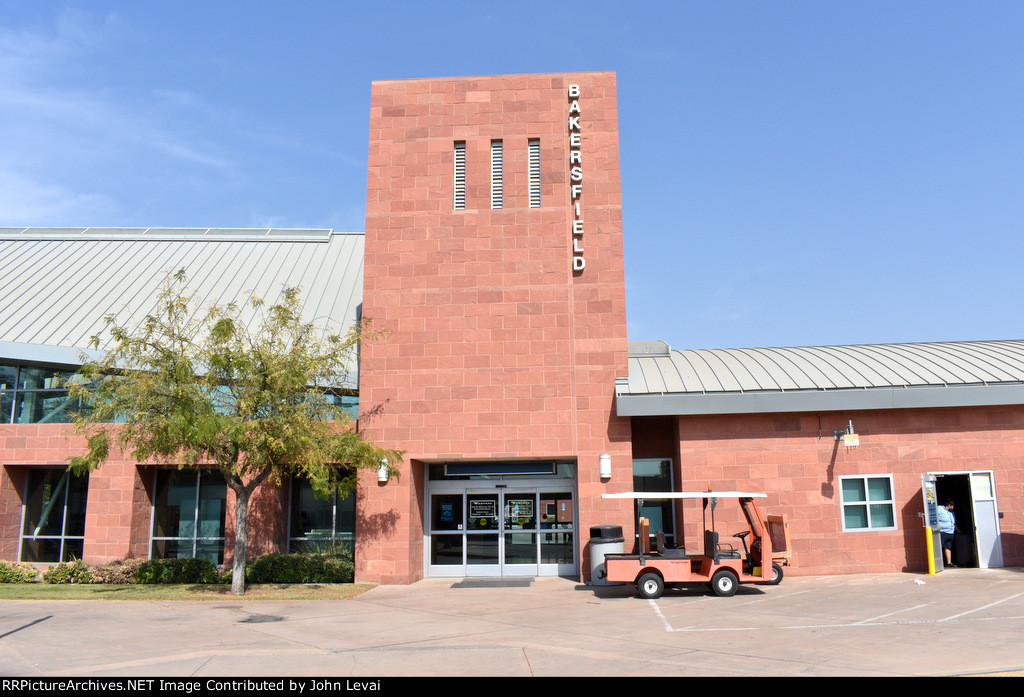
(534, 173)
(497, 187)
(460, 176)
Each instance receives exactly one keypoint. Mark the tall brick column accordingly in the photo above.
(500, 345)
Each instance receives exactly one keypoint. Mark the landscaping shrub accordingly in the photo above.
(68, 572)
(301, 568)
(17, 572)
(120, 571)
(228, 571)
(177, 571)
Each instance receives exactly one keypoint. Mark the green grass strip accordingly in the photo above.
(157, 591)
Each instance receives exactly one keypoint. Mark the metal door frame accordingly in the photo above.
(534, 487)
(982, 564)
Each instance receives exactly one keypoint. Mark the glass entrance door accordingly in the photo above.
(519, 531)
(498, 531)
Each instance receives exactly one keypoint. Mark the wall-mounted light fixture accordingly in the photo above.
(383, 472)
(848, 436)
(606, 466)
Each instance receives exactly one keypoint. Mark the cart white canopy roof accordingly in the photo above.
(683, 495)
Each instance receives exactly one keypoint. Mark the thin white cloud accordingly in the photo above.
(24, 201)
(71, 144)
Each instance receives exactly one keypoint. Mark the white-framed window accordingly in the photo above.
(497, 175)
(868, 502)
(460, 176)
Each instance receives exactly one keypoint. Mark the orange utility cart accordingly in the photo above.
(719, 564)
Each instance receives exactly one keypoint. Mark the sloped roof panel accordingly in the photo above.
(824, 377)
(61, 283)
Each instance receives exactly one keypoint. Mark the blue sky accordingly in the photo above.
(794, 173)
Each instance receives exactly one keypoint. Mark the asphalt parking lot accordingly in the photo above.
(960, 622)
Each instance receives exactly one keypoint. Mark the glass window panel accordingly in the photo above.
(881, 515)
(855, 517)
(44, 502)
(879, 489)
(6, 407)
(656, 514)
(30, 378)
(183, 498)
(520, 512)
(78, 494)
(72, 549)
(652, 475)
(655, 475)
(556, 510)
(54, 515)
(446, 550)
(483, 511)
(8, 376)
(301, 545)
(447, 512)
(210, 549)
(50, 406)
(35, 378)
(326, 520)
(556, 548)
(174, 503)
(502, 470)
(213, 491)
(40, 550)
(981, 483)
(345, 519)
(350, 403)
(868, 503)
(853, 490)
(481, 549)
(171, 549)
(520, 548)
(311, 515)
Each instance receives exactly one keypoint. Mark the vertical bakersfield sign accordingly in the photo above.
(576, 178)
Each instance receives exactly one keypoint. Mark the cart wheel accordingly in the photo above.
(650, 585)
(776, 578)
(723, 583)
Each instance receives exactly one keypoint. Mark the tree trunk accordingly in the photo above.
(241, 540)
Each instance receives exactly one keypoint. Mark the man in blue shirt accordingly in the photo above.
(947, 526)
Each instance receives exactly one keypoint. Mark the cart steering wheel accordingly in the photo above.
(742, 534)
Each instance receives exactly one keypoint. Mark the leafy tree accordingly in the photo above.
(250, 391)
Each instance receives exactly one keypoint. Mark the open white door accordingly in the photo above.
(986, 520)
(978, 515)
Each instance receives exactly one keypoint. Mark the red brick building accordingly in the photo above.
(492, 256)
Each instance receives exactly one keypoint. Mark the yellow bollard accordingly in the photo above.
(931, 550)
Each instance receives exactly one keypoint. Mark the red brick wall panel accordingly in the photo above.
(783, 456)
(496, 349)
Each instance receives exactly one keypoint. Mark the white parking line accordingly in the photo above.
(657, 611)
(869, 622)
(983, 607)
(890, 614)
(775, 597)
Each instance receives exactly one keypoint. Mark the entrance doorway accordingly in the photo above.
(519, 529)
(977, 542)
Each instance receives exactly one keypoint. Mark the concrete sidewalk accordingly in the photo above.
(960, 622)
